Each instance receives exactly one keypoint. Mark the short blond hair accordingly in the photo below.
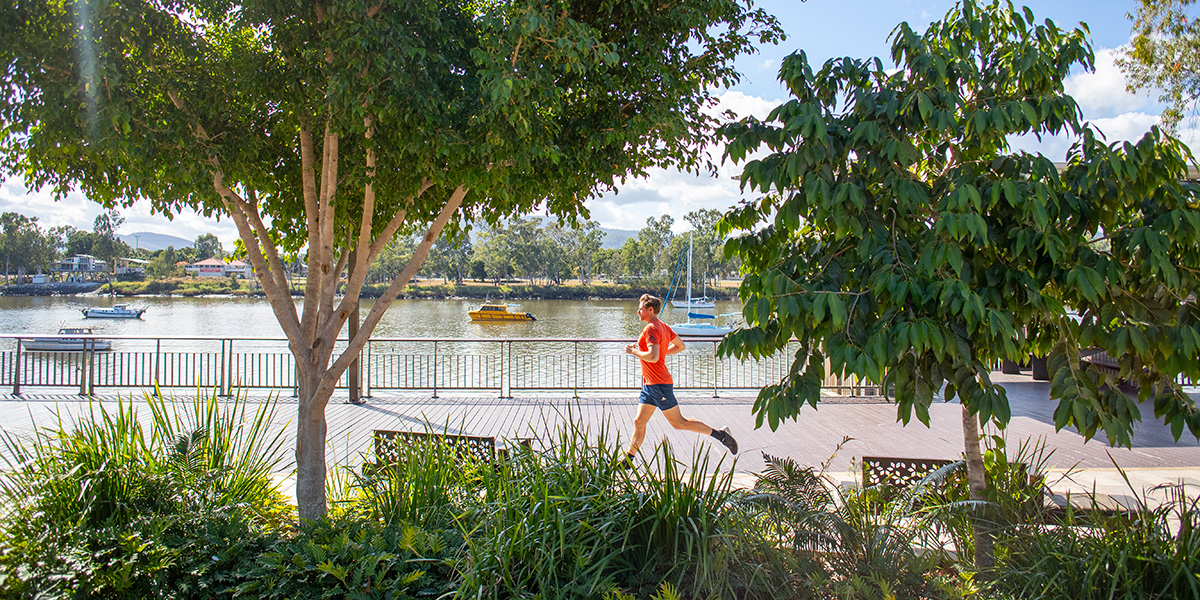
(653, 302)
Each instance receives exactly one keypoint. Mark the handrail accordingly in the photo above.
(437, 364)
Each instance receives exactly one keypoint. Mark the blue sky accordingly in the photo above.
(824, 29)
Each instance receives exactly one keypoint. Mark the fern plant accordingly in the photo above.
(863, 538)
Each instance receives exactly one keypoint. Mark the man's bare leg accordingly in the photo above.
(678, 421)
(639, 427)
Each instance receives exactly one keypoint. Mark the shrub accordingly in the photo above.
(1144, 553)
(569, 522)
(103, 507)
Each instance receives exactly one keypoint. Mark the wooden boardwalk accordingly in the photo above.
(811, 439)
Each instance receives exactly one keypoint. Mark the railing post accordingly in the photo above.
(367, 379)
(157, 361)
(435, 354)
(576, 369)
(90, 351)
(223, 382)
(715, 370)
(17, 370)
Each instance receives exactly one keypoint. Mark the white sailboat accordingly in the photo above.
(699, 328)
(691, 302)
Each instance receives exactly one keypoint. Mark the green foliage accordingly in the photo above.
(897, 236)
(26, 247)
(569, 522)
(1014, 502)
(350, 559)
(1162, 55)
(104, 507)
(1145, 553)
(857, 543)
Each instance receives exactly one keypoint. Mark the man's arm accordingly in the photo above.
(650, 355)
(676, 346)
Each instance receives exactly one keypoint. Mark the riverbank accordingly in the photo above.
(431, 289)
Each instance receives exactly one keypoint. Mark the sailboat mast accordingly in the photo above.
(689, 269)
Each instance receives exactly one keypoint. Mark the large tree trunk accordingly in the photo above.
(310, 447)
(977, 482)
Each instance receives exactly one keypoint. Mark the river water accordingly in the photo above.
(253, 318)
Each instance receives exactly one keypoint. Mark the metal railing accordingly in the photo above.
(443, 364)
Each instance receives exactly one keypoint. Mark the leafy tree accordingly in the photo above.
(392, 260)
(162, 264)
(655, 238)
(521, 237)
(637, 258)
(478, 270)
(1164, 54)
(78, 241)
(106, 246)
(15, 230)
(706, 246)
(335, 126)
(897, 237)
(493, 251)
(39, 250)
(208, 246)
(588, 238)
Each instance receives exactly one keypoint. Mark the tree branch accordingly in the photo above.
(381, 305)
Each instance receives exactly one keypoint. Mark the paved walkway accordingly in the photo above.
(811, 439)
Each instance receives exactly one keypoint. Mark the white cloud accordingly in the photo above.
(1103, 93)
(676, 193)
(744, 105)
(79, 212)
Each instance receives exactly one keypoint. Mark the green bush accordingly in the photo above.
(569, 522)
(1144, 553)
(854, 543)
(103, 507)
(351, 558)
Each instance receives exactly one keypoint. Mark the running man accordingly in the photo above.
(654, 345)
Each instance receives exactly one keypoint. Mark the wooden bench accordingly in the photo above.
(479, 448)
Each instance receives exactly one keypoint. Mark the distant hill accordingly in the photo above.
(153, 241)
(615, 238)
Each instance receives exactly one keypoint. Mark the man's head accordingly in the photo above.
(648, 307)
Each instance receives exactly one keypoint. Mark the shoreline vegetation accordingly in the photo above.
(425, 289)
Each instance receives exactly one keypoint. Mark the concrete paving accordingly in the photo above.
(1074, 465)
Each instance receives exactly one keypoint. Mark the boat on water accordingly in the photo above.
(500, 312)
(690, 302)
(697, 326)
(68, 344)
(120, 311)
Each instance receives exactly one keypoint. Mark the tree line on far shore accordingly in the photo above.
(29, 248)
(541, 252)
(548, 252)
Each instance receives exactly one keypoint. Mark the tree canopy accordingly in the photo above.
(898, 238)
(330, 127)
(1164, 54)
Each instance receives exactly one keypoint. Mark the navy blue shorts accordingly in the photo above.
(661, 395)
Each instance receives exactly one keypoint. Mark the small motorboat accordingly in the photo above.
(120, 311)
(68, 344)
(500, 312)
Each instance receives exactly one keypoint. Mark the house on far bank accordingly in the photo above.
(243, 270)
(215, 267)
(81, 267)
(134, 266)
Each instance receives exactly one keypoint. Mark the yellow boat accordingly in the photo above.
(500, 312)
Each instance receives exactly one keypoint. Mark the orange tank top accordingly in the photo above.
(657, 332)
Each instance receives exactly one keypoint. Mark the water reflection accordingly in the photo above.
(253, 317)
